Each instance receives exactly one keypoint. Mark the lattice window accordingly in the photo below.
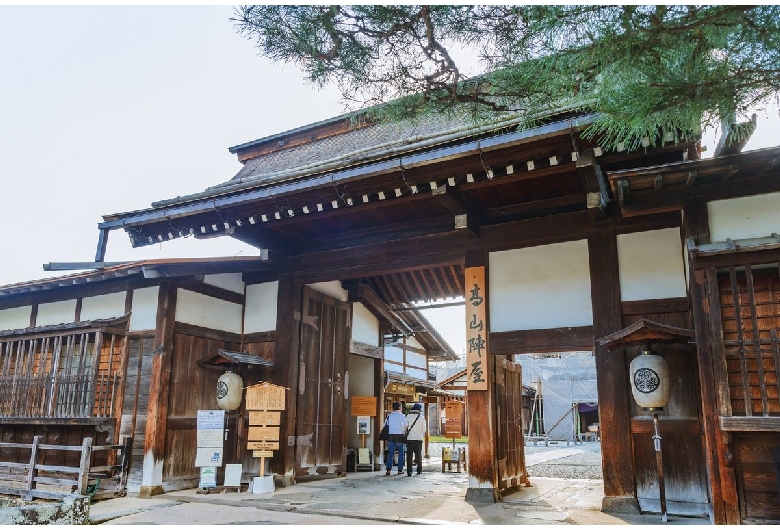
(65, 374)
(750, 306)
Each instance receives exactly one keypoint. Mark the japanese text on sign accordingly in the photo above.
(265, 396)
(476, 330)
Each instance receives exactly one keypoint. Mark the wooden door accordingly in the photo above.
(510, 445)
(322, 387)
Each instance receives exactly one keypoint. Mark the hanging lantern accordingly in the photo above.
(230, 390)
(650, 380)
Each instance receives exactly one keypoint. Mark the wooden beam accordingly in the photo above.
(199, 331)
(81, 265)
(214, 292)
(286, 369)
(482, 426)
(541, 340)
(360, 292)
(715, 397)
(668, 200)
(749, 423)
(102, 245)
(365, 350)
(594, 184)
(612, 376)
(466, 216)
(562, 204)
(656, 306)
(159, 389)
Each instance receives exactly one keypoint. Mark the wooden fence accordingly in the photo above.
(36, 480)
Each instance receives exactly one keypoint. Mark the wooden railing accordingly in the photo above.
(34, 479)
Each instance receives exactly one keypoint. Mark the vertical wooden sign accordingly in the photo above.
(476, 330)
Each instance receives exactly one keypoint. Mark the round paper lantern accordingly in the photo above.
(650, 380)
(230, 390)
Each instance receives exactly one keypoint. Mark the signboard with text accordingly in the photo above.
(476, 329)
(363, 406)
(265, 396)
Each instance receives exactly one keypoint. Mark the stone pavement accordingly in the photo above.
(373, 498)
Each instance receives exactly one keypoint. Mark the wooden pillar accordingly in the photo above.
(379, 392)
(612, 378)
(285, 371)
(159, 387)
(480, 369)
(711, 362)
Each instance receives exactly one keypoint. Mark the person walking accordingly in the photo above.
(397, 425)
(414, 438)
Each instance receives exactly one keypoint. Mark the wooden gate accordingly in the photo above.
(510, 449)
(322, 387)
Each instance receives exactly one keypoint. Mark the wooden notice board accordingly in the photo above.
(264, 402)
(262, 433)
(363, 406)
(265, 418)
(265, 396)
(453, 411)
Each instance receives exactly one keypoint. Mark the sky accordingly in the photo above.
(108, 109)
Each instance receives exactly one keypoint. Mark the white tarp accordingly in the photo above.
(565, 381)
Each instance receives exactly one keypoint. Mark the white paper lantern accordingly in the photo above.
(650, 380)
(230, 390)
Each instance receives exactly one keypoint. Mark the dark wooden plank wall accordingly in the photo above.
(756, 479)
(50, 434)
(192, 388)
(136, 402)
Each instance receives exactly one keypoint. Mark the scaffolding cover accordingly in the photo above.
(566, 380)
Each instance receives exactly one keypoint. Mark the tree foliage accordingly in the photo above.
(646, 70)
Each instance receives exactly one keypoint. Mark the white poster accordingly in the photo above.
(211, 419)
(210, 438)
(208, 477)
(208, 456)
(364, 425)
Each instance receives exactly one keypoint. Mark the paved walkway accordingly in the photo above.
(371, 497)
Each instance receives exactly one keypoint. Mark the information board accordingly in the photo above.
(265, 396)
(363, 406)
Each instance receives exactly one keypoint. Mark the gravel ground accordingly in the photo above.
(584, 465)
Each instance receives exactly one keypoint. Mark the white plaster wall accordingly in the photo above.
(365, 326)
(394, 354)
(417, 374)
(361, 383)
(15, 317)
(744, 217)
(110, 305)
(205, 311)
(415, 359)
(260, 311)
(144, 313)
(56, 313)
(230, 281)
(332, 289)
(651, 265)
(540, 287)
(411, 341)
